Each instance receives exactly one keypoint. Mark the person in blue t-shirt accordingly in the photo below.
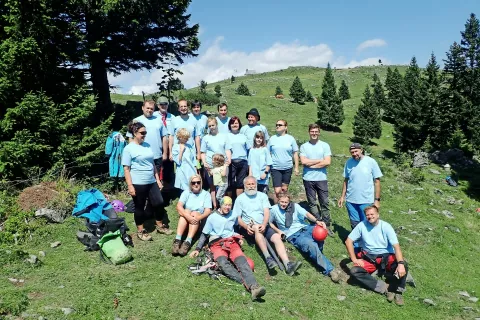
(201, 118)
(282, 147)
(260, 162)
(315, 156)
(238, 169)
(380, 251)
(142, 179)
(361, 187)
(250, 129)
(288, 219)
(193, 206)
(187, 121)
(222, 118)
(184, 157)
(167, 174)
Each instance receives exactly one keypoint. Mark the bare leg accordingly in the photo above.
(260, 239)
(192, 230)
(182, 225)
(280, 248)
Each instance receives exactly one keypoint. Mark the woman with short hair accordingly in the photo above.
(238, 169)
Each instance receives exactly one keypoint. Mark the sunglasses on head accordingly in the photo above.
(143, 133)
(279, 125)
(195, 183)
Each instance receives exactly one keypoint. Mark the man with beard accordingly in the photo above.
(361, 187)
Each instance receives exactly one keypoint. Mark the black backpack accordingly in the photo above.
(95, 231)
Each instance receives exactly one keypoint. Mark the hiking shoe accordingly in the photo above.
(335, 275)
(257, 291)
(390, 296)
(292, 267)
(144, 236)
(164, 230)
(330, 232)
(399, 299)
(176, 247)
(271, 264)
(184, 248)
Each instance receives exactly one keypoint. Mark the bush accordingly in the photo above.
(242, 90)
(206, 98)
(413, 176)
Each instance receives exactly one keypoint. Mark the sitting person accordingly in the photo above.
(193, 206)
(380, 251)
(288, 220)
(253, 211)
(225, 246)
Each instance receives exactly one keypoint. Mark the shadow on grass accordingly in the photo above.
(389, 154)
(330, 128)
(341, 231)
(472, 177)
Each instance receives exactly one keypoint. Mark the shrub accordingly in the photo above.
(242, 90)
(206, 98)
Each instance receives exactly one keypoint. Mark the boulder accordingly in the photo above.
(56, 216)
(420, 160)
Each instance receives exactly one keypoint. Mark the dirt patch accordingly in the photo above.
(38, 196)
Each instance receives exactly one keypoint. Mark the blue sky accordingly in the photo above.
(267, 35)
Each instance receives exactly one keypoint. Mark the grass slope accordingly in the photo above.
(443, 253)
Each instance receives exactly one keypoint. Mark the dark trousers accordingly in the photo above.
(319, 189)
(168, 172)
(155, 200)
(240, 273)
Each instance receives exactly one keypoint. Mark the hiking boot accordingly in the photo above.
(399, 299)
(143, 235)
(176, 247)
(257, 291)
(184, 248)
(390, 296)
(163, 230)
(330, 232)
(335, 275)
(271, 264)
(292, 267)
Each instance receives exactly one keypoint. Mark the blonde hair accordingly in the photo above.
(212, 119)
(183, 135)
(259, 134)
(218, 160)
(284, 194)
(195, 176)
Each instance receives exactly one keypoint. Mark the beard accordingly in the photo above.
(250, 192)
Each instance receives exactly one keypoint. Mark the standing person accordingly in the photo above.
(222, 119)
(282, 146)
(187, 121)
(361, 187)
(219, 175)
(142, 179)
(260, 162)
(167, 174)
(213, 143)
(250, 129)
(381, 251)
(193, 206)
(238, 169)
(184, 157)
(315, 156)
(201, 118)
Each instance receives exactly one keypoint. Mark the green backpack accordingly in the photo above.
(113, 249)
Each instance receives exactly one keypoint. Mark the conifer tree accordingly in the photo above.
(394, 84)
(389, 79)
(470, 45)
(378, 97)
(330, 108)
(278, 91)
(218, 90)
(232, 79)
(309, 97)
(243, 90)
(367, 123)
(202, 86)
(343, 91)
(297, 93)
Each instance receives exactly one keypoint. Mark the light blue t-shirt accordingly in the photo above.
(377, 239)
(222, 125)
(139, 157)
(190, 124)
(196, 202)
(251, 207)
(220, 225)
(317, 151)
(238, 145)
(168, 118)
(201, 124)
(214, 144)
(155, 133)
(361, 175)
(250, 131)
(282, 149)
(277, 215)
(258, 160)
(185, 166)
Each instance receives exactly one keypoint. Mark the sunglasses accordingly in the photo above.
(143, 133)
(195, 183)
(279, 125)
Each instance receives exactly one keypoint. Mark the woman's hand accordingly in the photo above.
(131, 190)
(297, 172)
(160, 185)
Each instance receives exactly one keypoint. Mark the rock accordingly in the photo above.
(13, 280)
(163, 252)
(117, 318)
(418, 189)
(204, 304)
(467, 308)
(448, 214)
(41, 318)
(340, 156)
(55, 244)
(429, 229)
(129, 285)
(420, 160)
(463, 294)
(435, 171)
(341, 298)
(429, 302)
(55, 216)
(410, 211)
(61, 286)
(473, 299)
(41, 253)
(32, 259)
(390, 211)
(438, 191)
(67, 311)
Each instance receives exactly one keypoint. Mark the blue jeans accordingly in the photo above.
(303, 241)
(355, 212)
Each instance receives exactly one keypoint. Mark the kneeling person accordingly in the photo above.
(288, 219)
(381, 251)
(224, 244)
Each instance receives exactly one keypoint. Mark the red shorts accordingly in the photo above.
(227, 247)
(371, 267)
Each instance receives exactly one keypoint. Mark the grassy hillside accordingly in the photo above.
(443, 253)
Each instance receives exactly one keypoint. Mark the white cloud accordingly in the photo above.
(365, 62)
(371, 44)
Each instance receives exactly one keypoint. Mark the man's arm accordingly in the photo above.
(399, 257)
(344, 192)
(325, 162)
(170, 145)
(197, 145)
(377, 192)
(351, 253)
(266, 219)
(309, 162)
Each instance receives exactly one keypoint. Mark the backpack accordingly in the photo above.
(97, 230)
(112, 248)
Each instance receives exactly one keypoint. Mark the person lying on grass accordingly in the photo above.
(224, 243)
(288, 220)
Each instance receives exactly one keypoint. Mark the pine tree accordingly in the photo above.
(296, 91)
(202, 86)
(394, 85)
(309, 97)
(470, 45)
(278, 91)
(243, 90)
(367, 123)
(378, 98)
(218, 90)
(232, 79)
(330, 108)
(343, 91)
(389, 79)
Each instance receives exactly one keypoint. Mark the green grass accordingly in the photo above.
(158, 286)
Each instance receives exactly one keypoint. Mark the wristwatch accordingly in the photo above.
(266, 172)
(377, 199)
(401, 262)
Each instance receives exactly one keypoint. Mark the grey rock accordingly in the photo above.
(117, 318)
(467, 308)
(429, 302)
(67, 311)
(434, 171)
(414, 232)
(429, 229)
(32, 259)
(420, 160)
(41, 253)
(41, 318)
(204, 304)
(61, 286)
(473, 299)
(163, 252)
(418, 189)
(55, 216)
(341, 298)
(55, 244)
(448, 214)
(438, 191)
(390, 211)
(129, 284)
(464, 294)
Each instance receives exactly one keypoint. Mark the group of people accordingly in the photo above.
(223, 168)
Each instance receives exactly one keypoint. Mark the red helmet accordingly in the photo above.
(319, 233)
(250, 263)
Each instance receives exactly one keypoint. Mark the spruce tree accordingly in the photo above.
(394, 84)
(470, 45)
(378, 97)
(309, 97)
(202, 86)
(343, 91)
(218, 90)
(330, 108)
(367, 123)
(278, 91)
(297, 93)
(243, 90)
(389, 79)
(232, 79)
(435, 117)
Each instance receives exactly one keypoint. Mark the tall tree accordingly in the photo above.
(278, 91)
(395, 86)
(242, 90)
(470, 45)
(343, 91)
(330, 109)
(202, 86)
(378, 98)
(297, 93)
(367, 123)
(309, 97)
(436, 116)
(218, 90)
(232, 79)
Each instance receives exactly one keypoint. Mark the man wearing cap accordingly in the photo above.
(250, 129)
(361, 187)
(222, 118)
